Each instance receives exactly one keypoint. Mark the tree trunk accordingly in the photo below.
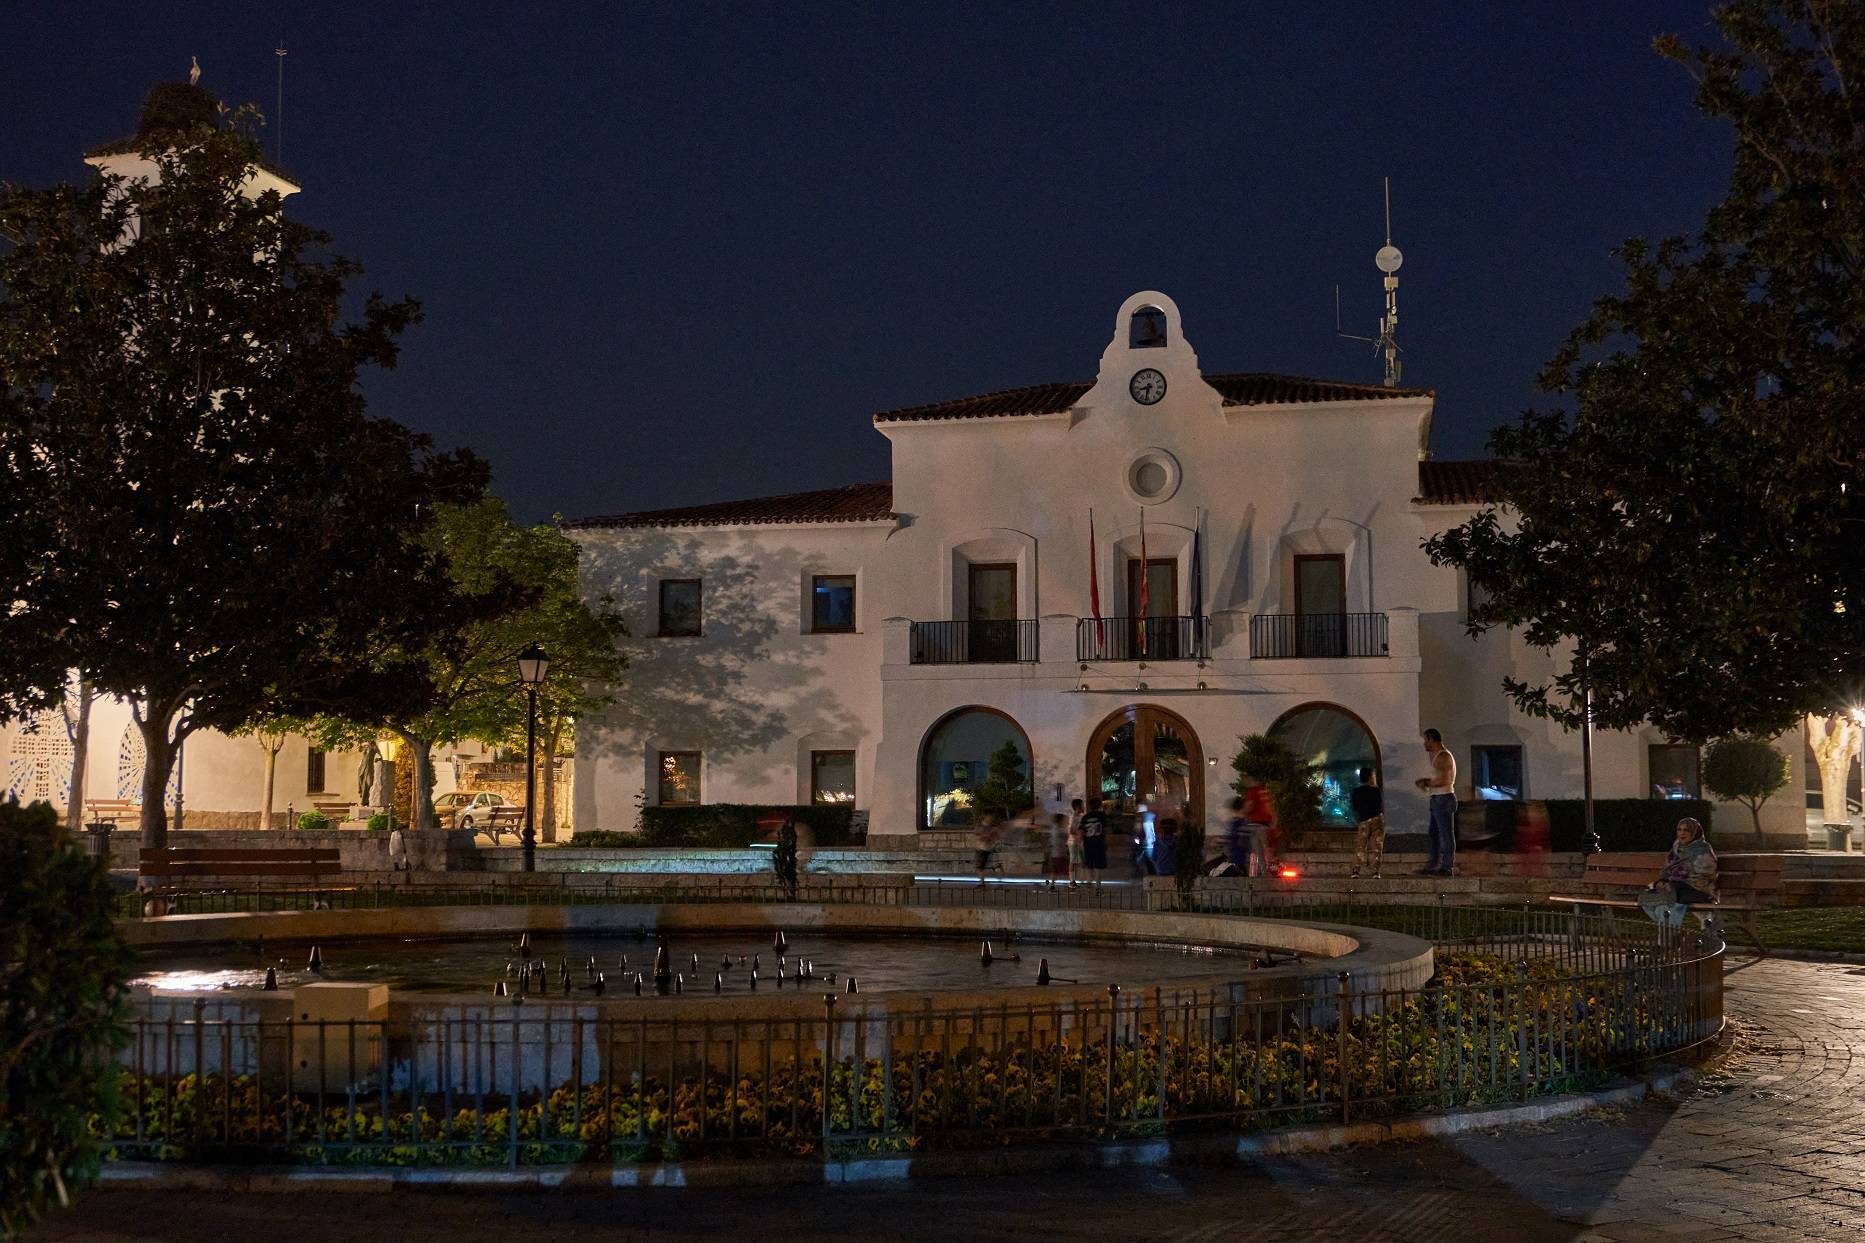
(549, 777)
(265, 803)
(158, 759)
(422, 753)
(80, 746)
(1835, 740)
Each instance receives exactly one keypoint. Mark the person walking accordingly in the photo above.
(1369, 809)
(1076, 867)
(1259, 810)
(1440, 788)
(1237, 846)
(1055, 858)
(985, 838)
(1094, 841)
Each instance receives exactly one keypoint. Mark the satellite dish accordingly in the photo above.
(1388, 259)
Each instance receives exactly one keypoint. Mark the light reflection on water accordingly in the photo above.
(880, 963)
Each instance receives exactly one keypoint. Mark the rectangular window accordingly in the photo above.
(679, 778)
(1673, 771)
(1496, 772)
(679, 607)
(831, 776)
(832, 603)
(314, 771)
(1321, 605)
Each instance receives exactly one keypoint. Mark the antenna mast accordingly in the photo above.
(1387, 261)
(278, 119)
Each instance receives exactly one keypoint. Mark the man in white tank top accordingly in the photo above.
(1440, 787)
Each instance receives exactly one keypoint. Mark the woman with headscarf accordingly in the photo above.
(1688, 878)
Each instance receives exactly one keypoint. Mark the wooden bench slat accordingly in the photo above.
(238, 869)
(210, 853)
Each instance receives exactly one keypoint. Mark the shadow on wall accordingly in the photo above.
(748, 682)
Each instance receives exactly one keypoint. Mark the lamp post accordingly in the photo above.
(533, 664)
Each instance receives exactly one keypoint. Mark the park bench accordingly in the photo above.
(507, 819)
(1746, 885)
(110, 809)
(168, 865)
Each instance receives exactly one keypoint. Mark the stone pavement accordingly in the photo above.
(1771, 1147)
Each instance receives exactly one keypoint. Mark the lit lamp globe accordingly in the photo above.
(533, 664)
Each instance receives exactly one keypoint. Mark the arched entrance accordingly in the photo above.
(1339, 745)
(1143, 754)
(955, 758)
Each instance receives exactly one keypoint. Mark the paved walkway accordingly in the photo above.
(1772, 1147)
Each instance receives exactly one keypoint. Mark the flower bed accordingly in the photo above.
(1488, 1031)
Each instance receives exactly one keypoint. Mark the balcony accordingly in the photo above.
(1143, 638)
(974, 642)
(1317, 636)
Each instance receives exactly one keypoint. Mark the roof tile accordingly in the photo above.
(862, 502)
(1249, 388)
(1469, 482)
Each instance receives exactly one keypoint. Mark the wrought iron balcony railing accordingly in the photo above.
(1290, 636)
(974, 642)
(1143, 638)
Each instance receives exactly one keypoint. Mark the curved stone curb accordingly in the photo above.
(1196, 1149)
(1799, 955)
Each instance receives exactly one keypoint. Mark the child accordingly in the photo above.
(1076, 868)
(1056, 859)
(1369, 809)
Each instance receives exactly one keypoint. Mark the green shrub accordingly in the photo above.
(1747, 771)
(725, 826)
(1294, 784)
(313, 822)
(62, 1014)
(383, 821)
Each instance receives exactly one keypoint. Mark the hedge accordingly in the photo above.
(1623, 823)
(726, 825)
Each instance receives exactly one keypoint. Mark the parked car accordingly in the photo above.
(461, 810)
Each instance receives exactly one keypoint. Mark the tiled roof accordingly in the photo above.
(1249, 388)
(862, 502)
(1469, 482)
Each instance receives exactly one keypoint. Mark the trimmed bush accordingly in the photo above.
(62, 1013)
(383, 821)
(725, 826)
(313, 822)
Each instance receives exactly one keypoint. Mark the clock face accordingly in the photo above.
(1147, 386)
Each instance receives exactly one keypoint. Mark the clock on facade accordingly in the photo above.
(1147, 386)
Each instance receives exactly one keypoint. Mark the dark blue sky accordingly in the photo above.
(680, 252)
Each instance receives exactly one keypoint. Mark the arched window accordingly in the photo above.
(955, 758)
(1336, 742)
(1147, 329)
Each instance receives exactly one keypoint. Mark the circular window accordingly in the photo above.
(1152, 477)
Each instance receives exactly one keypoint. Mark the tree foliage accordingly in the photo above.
(211, 524)
(1745, 770)
(1688, 519)
(64, 970)
(1005, 789)
(508, 586)
(1294, 785)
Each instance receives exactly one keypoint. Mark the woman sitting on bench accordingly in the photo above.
(1688, 878)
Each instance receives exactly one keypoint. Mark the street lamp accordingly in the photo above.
(533, 664)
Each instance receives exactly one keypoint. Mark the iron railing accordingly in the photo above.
(974, 642)
(1142, 638)
(1556, 1003)
(1284, 636)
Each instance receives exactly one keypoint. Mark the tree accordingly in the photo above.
(1687, 519)
(75, 708)
(1294, 785)
(64, 972)
(511, 586)
(1745, 770)
(1835, 739)
(1005, 788)
(270, 733)
(216, 530)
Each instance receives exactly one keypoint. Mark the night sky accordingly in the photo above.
(676, 253)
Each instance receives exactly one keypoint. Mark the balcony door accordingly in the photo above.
(992, 633)
(1321, 605)
(1152, 634)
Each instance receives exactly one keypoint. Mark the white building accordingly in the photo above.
(878, 642)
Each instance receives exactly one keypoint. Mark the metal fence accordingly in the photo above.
(1523, 1005)
(1142, 638)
